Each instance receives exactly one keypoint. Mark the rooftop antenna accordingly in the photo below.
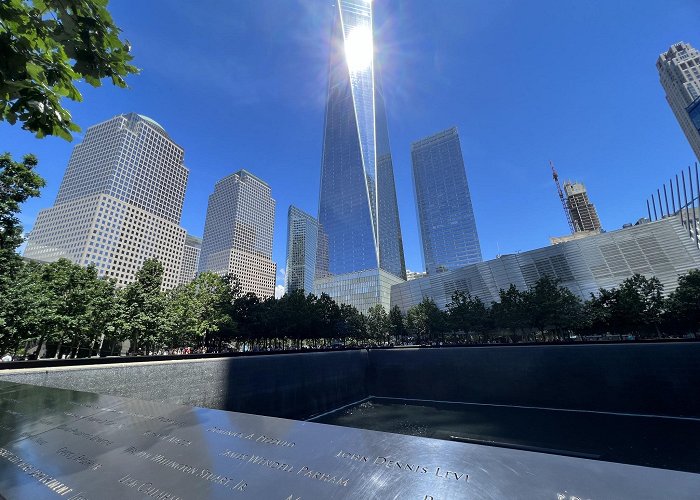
(564, 203)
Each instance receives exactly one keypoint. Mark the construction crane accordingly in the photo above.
(564, 203)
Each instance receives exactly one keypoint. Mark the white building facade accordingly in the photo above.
(663, 249)
(238, 233)
(190, 259)
(119, 203)
(679, 72)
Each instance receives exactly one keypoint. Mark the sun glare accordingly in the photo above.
(359, 49)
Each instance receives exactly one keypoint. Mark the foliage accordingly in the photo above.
(397, 325)
(143, 308)
(551, 307)
(378, 325)
(635, 308)
(469, 315)
(426, 322)
(18, 183)
(683, 305)
(510, 312)
(46, 46)
(199, 308)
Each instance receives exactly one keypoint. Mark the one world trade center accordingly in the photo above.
(360, 251)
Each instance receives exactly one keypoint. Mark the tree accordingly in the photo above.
(468, 314)
(426, 321)
(46, 46)
(353, 323)
(639, 305)
(18, 183)
(683, 304)
(510, 311)
(397, 324)
(143, 308)
(551, 307)
(329, 317)
(198, 309)
(378, 326)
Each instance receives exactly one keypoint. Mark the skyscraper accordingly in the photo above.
(238, 233)
(190, 259)
(679, 71)
(119, 203)
(583, 213)
(302, 248)
(357, 207)
(445, 215)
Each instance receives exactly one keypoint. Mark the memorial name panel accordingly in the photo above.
(66, 444)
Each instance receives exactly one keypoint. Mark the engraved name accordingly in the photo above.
(160, 418)
(85, 435)
(258, 460)
(168, 437)
(66, 453)
(42, 477)
(322, 476)
(258, 438)
(402, 465)
(146, 488)
(204, 474)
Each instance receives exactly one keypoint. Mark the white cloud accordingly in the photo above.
(279, 291)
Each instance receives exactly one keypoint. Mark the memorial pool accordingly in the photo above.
(662, 442)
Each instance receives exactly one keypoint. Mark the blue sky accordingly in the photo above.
(242, 85)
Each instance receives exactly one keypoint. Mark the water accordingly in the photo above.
(669, 443)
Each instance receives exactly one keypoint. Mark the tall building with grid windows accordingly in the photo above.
(238, 233)
(358, 211)
(119, 203)
(445, 215)
(190, 259)
(302, 249)
(679, 72)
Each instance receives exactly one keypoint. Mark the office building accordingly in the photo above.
(302, 247)
(119, 203)
(679, 72)
(357, 207)
(583, 213)
(190, 259)
(445, 215)
(663, 249)
(413, 275)
(238, 233)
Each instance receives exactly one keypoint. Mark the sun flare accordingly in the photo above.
(359, 48)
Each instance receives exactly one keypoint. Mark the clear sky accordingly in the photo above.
(242, 84)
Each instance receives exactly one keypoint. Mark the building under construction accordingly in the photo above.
(583, 213)
(580, 213)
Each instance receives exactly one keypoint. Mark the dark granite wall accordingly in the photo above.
(659, 379)
(290, 385)
(632, 378)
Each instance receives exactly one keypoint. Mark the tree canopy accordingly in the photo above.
(46, 47)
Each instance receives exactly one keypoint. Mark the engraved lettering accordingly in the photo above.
(50, 482)
(320, 476)
(168, 437)
(352, 456)
(81, 459)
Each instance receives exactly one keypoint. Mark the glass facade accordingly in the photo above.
(357, 206)
(445, 215)
(302, 248)
(694, 114)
